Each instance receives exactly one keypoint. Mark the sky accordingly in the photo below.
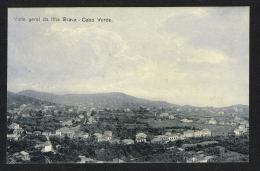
(183, 55)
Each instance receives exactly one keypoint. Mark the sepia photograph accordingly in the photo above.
(127, 85)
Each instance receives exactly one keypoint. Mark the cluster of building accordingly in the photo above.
(21, 156)
(197, 133)
(141, 137)
(166, 115)
(17, 131)
(241, 129)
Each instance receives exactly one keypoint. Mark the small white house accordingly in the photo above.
(171, 117)
(164, 115)
(212, 121)
(141, 137)
(127, 141)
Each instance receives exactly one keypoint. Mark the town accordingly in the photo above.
(46, 132)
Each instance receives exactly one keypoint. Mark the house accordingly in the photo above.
(82, 134)
(205, 132)
(197, 133)
(83, 159)
(47, 147)
(141, 137)
(240, 130)
(199, 159)
(188, 133)
(156, 140)
(106, 137)
(98, 135)
(108, 133)
(162, 137)
(168, 133)
(81, 116)
(65, 131)
(24, 155)
(164, 115)
(173, 137)
(18, 131)
(91, 120)
(114, 141)
(12, 137)
(85, 135)
(186, 120)
(127, 141)
(212, 121)
(46, 133)
(102, 139)
(14, 126)
(127, 110)
(241, 126)
(171, 117)
(117, 160)
(190, 110)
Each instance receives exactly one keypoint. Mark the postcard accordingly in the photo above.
(128, 85)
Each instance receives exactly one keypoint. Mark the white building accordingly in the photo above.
(127, 141)
(186, 120)
(164, 115)
(197, 133)
(108, 133)
(171, 117)
(141, 137)
(91, 120)
(205, 132)
(240, 130)
(14, 126)
(212, 121)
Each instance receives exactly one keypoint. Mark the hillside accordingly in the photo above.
(110, 100)
(17, 99)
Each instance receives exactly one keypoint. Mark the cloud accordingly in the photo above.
(196, 56)
(209, 56)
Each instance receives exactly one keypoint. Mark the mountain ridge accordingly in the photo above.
(109, 100)
(112, 99)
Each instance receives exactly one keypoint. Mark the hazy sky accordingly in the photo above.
(186, 56)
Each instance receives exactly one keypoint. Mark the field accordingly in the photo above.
(215, 129)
